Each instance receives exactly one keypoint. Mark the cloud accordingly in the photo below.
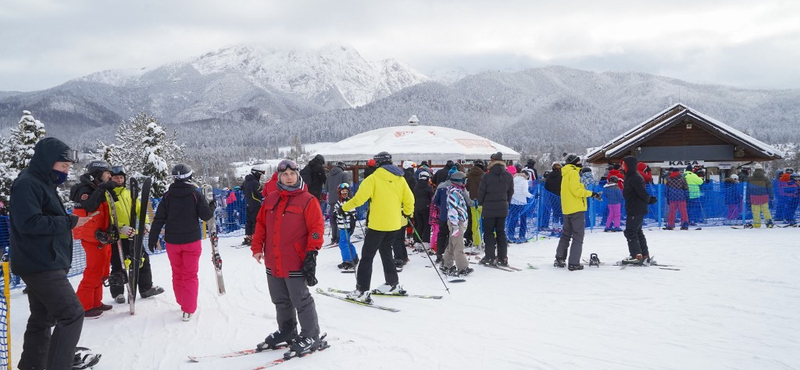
(44, 43)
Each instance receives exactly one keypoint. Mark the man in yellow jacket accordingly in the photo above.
(573, 204)
(123, 208)
(389, 195)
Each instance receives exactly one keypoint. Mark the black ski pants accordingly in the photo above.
(399, 245)
(421, 225)
(443, 237)
(376, 242)
(468, 233)
(145, 274)
(52, 303)
(637, 244)
(250, 225)
(494, 234)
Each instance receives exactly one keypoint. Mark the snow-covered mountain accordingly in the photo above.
(331, 77)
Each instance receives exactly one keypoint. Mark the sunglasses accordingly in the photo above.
(287, 164)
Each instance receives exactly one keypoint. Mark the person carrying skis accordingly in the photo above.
(636, 201)
(455, 262)
(89, 196)
(573, 206)
(287, 238)
(181, 208)
(346, 225)
(251, 187)
(41, 243)
(123, 207)
(388, 193)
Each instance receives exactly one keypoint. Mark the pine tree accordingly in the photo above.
(17, 150)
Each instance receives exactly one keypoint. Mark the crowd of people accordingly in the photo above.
(442, 211)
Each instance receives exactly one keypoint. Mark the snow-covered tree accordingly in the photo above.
(17, 150)
(144, 148)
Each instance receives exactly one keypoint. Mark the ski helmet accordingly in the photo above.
(118, 171)
(408, 165)
(96, 169)
(382, 158)
(257, 171)
(182, 172)
(458, 177)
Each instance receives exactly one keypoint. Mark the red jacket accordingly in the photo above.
(289, 224)
(100, 221)
(648, 176)
(271, 185)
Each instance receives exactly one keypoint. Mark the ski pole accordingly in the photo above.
(347, 235)
(427, 252)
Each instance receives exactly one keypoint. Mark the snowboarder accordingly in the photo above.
(89, 196)
(388, 192)
(288, 234)
(145, 280)
(180, 208)
(41, 243)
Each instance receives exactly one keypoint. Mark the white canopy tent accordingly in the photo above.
(416, 143)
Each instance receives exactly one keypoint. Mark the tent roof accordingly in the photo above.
(416, 143)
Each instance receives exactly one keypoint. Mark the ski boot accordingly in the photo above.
(346, 265)
(154, 290)
(488, 261)
(560, 263)
(575, 267)
(360, 296)
(770, 224)
(594, 260)
(84, 358)
(277, 339)
(502, 261)
(302, 346)
(685, 226)
(186, 316)
(748, 225)
(634, 260)
(389, 289)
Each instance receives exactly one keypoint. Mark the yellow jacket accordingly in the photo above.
(389, 194)
(123, 206)
(573, 193)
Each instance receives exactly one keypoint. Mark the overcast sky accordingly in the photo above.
(743, 43)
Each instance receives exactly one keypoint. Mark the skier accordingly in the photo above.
(759, 189)
(41, 243)
(677, 195)
(455, 262)
(573, 205)
(494, 193)
(519, 201)
(473, 234)
(388, 192)
(180, 208)
(251, 187)
(636, 201)
(346, 225)
(145, 282)
(336, 178)
(89, 196)
(314, 177)
(288, 235)
(613, 197)
(423, 192)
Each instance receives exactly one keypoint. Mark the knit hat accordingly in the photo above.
(497, 156)
(758, 166)
(371, 162)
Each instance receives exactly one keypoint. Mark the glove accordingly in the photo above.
(653, 200)
(127, 230)
(212, 204)
(310, 268)
(597, 196)
(108, 185)
(152, 247)
(456, 232)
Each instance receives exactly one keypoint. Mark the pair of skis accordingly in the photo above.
(216, 259)
(131, 265)
(333, 294)
(286, 357)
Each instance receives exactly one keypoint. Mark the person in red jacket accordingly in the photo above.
(288, 234)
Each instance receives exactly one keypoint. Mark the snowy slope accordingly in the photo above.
(731, 306)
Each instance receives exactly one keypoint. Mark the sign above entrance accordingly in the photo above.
(684, 163)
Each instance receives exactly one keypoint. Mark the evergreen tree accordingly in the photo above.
(17, 150)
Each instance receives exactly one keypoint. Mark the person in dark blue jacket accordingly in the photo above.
(41, 254)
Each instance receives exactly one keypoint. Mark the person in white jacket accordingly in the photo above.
(517, 212)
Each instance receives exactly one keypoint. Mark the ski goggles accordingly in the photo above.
(68, 155)
(287, 164)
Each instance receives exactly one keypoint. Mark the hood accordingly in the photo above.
(497, 166)
(759, 173)
(568, 169)
(318, 159)
(46, 153)
(631, 163)
(392, 169)
(335, 170)
(785, 177)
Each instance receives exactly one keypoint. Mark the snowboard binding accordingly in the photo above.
(594, 260)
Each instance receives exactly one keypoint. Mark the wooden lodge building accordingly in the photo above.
(681, 136)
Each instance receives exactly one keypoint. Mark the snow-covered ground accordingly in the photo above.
(732, 305)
